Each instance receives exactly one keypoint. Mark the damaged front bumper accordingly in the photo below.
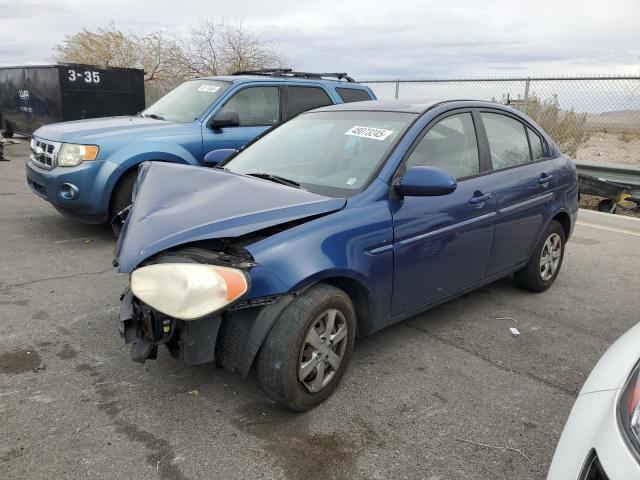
(146, 329)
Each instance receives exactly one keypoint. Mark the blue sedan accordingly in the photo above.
(334, 225)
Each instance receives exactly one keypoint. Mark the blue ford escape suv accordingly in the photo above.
(86, 169)
(334, 225)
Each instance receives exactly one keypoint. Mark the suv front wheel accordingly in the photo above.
(307, 351)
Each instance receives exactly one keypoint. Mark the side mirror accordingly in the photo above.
(215, 157)
(425, 182)
(225, 118)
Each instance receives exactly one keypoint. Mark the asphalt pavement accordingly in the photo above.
(448, 394)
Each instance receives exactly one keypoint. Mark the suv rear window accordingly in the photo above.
(353, 95)
(301, 99)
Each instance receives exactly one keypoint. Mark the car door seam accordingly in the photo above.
(526, 203)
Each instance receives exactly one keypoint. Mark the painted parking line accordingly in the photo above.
(609, 229)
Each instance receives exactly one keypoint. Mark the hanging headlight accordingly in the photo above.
(188, 291)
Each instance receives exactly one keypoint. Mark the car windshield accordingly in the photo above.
(186, 102)
(331, 153)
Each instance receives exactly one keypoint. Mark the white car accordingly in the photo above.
(601, 439)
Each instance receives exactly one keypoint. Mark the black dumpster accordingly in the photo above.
(32, 96)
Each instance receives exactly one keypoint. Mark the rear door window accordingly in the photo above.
(507, 140)
(301, 99)
(353, 95)
(256, 106)
(537, 147)
(450, 145)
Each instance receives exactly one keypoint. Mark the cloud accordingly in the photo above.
(373, 38)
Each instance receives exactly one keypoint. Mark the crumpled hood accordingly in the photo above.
(177, 204)
(93, 131)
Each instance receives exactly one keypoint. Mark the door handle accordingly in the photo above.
(478, 200)
(545, 179)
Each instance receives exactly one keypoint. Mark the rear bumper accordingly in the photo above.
(592, 427)
(87, 181)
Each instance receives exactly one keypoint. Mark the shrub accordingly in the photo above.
(567, 128)
(625, 137)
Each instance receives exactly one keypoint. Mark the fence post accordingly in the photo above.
(397, 88)
(526, 95)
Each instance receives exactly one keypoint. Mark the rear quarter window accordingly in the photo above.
(537, 147)
(353, 95)
(301, 99)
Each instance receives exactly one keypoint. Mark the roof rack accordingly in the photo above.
(288, 72)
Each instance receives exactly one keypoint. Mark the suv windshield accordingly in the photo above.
(186, 102)
(331, 153)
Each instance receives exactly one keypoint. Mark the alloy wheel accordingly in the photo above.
(323, 350)
(550, 256)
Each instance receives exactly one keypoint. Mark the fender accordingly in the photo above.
(243, 332)
(369, 316)
(133, 155)
(546, 225)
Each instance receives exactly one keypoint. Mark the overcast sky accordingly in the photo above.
(369, 39)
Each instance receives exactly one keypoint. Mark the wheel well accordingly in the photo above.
(120, 179)
(563, 219)
(361, 301)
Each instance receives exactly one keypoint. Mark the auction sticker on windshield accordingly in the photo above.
(209, 88)
(369, 132)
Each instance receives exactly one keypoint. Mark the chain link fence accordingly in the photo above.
(590, 118)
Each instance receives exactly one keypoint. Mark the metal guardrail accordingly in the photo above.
(611, 172)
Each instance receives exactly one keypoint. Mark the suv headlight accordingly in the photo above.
(188, 290)
(71, 154)
(629, 409)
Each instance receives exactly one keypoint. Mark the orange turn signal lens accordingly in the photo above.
(236, 282)
(90, 152)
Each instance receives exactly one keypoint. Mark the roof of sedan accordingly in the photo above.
(381, 106)
(402, 106)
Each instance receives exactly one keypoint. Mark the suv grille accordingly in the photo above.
(44, 153)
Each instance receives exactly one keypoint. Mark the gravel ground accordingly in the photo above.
(611, 147)
(448, 394)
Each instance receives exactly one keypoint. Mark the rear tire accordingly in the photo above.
(7, 134)
(121, 196)
(291, 371)
(544, 265)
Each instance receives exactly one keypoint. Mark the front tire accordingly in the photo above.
(302, 360)
(544, 265)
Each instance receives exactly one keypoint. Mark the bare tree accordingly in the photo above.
(203, 48)
(164, 62)
(161, 57)
(107, 47)
(217, 47)
(214, 48)
(244, 51)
